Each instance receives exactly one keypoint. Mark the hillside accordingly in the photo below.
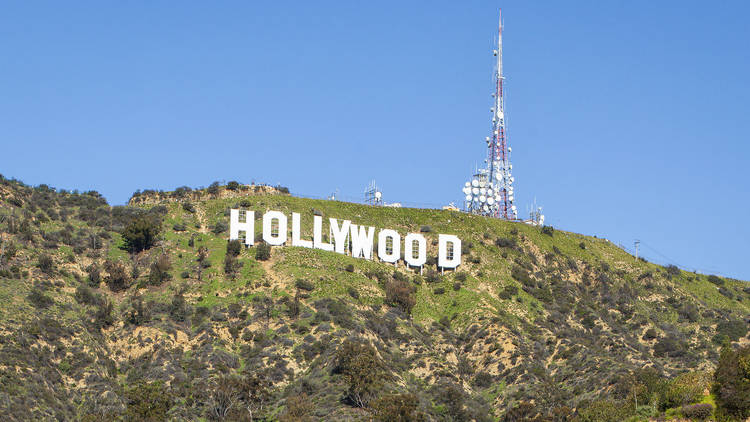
(92, 328)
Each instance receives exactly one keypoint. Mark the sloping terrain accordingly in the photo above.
(94, 328)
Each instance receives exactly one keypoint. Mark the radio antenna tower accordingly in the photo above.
(490, 191)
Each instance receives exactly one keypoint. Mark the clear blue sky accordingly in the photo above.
(628, 120)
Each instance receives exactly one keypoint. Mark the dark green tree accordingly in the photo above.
(141, 234)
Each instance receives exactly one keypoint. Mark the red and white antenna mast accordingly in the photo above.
(490, 192)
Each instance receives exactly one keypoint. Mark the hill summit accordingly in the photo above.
(149, 312)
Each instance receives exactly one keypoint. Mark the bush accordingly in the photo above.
(234, 247)
(521, 275)
(148, 402)
(220, 227)
(582, 245)
(39, 299)
(716, 280)
(425, 229)
(700, 411)
(263, 252)
(397, 408)
(188, 206)
(433, 276)
(504, 242)
(460, 276)
(94, 275)
(548, 230)
(233, 185)
(400, 294)
(734, 330)
(350, 268)
(508, 292)
(160, 270)
(304, 285)
(118, 277)
(46, 264)
(439, 291)
(141, 233)
(672, 270)
(685, 389)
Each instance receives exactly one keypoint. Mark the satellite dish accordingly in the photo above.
(510, 149)
(468, 198)
(489, 191)
(378, 195)
(467, 184)
(482, 198)
(475, 183)
(482, 190)
(475, 191)
(490, 200)
(466, 190)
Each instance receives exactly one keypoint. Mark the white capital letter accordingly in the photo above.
(268, 236)
(318, 234)
(362, 241)
(296, 229)
(446, 260)
(395, 254)
(409, 257)
(235, 226)
(339, 234)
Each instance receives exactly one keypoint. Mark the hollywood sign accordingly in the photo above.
(346, 238)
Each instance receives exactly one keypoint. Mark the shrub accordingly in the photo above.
(700, 411)
(350, 268)
(734, 329)
(118, 277)
(148, 402)
(508, 292)
(548, 230)
(263, 252)
(400, 293)
(141, 233)
(231, 265)
(582, 245)
(160, 270)
(433, 276)
(716, 280)
(39, 299)
(46, 264)
(425, 229)
(304, 285)
(456, 286)
(460, 276)
(233, 185)
(188, 206)
(672, 270)
(397, 408)
(521, 275)
(234, 247)
(353, 292)
(439, 291)
(179, 227)
(220, 227)
(504, 242)
(685, 389)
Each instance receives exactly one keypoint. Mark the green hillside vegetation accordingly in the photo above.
(147, 312)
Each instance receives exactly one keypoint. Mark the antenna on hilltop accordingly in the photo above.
(490, 190)
(373, 195)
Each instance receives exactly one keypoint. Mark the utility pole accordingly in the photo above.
(637, 243)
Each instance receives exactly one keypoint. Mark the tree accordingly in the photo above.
(141, 234)
(732, 382)
(362, 370)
